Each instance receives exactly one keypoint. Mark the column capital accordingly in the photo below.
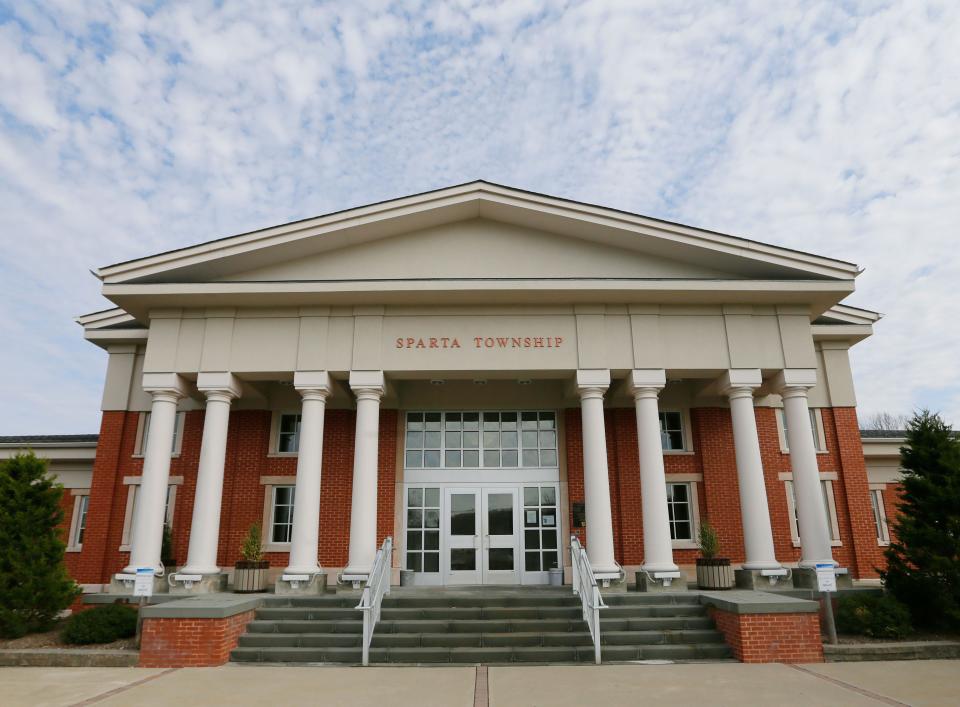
(646, 382)
(367, 385)
(740, 382)
(590, 378)
(312, 383)
(169, 385)
(792, 382)
(219, 385)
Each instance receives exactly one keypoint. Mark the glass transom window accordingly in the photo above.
(471, 440)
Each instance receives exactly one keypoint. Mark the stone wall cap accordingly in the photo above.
(745, 601)
(207, 606)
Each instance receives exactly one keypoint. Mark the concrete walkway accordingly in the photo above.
(931, 682)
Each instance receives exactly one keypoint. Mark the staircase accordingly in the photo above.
(482, 625)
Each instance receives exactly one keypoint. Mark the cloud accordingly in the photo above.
(129, 129)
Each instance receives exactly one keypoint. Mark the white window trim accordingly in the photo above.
(266, 525)
(132, 482)
(821, 437)
(138, 449)
(78, 495)
(273, 449)
(877, 490)
(694, 480)
(828, 476)
(685, 431)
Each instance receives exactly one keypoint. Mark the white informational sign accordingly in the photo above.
(826, 578)
(143, 584)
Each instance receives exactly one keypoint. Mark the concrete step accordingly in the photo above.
(659, 623)
(258, 626)
(478, 613)
(308, 614)
(644, 599)
(651, 610)
(491, 654)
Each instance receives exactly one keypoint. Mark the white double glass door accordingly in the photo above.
(481, 530)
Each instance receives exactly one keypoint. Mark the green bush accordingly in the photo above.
(34, 584)
(103, 624)
(872, 615)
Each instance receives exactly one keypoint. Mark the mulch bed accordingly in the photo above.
(51, 639)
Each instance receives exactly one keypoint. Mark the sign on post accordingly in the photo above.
(143, 584)
(826, 577)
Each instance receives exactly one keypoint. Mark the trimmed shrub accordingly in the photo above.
(103, 624)
(874, 616)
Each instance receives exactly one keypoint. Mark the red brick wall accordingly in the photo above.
(247, 459)
(718, 496)
(771, 638)
(179, 643)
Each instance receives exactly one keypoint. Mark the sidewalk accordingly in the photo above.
(896, 683)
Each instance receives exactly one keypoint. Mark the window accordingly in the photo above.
(288, 434)
(141, 447)
(281, 516)
(829, 507)
(78, 522)
(423, 529)
(879, 516)
(671, 431)
(453, 440)
(540, 528)
(816, 428)
(679, 511)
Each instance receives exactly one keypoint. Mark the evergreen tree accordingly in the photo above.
(34, 584)
(923, 564)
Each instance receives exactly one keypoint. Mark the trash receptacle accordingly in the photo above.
(556, 577)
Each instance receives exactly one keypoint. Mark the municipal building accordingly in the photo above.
(492, 379)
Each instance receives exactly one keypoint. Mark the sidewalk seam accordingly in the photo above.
(852, 688)
(122, 688)
(481, 688)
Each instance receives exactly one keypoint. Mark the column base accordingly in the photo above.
(122, 583)
(806, 578)
(186, 583)
(661, 581)
(763, 579)
(301, 584)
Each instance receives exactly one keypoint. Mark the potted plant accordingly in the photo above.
(712, 572)
(250, 573)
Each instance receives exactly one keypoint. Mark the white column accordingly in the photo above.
(220, 390)
(738, 384)
(314, 387)
(646, 385)
(368, 387)
(166, 389)
(811, 516)
(591, 385)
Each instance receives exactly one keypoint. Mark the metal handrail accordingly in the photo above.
(378, 584)
(585, 585)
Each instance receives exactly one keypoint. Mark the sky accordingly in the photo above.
(132, 128)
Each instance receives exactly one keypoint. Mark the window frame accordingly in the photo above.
(78, 518)
(266, 524)
(880, 514)
(826, 487)
(481, 467)
(143, 427)
(692, 481)
(276, 422)
(133, 485)
(816, 426)
(685, 429)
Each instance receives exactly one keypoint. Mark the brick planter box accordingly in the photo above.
(196, 632)
(767, 628)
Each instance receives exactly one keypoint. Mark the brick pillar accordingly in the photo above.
(866, 553)
(573, 441)
(91, 568)
(386, 476)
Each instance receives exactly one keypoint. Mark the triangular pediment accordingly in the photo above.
(477, 249)
(478, 230)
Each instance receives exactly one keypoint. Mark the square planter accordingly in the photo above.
(249, 577)
(715, 573)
